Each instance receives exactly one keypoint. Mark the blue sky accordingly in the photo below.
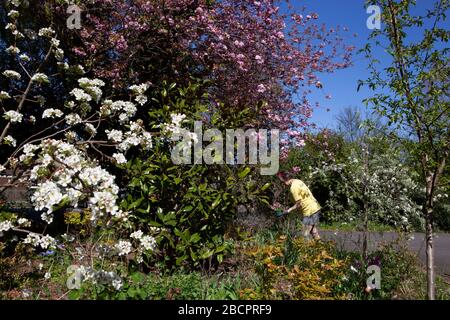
(342, 84)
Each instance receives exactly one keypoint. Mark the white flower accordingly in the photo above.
(353, 269)
(39, 78)
(90, 128)
(10, 140)
(46, 196)
(28, 151)
(85, 83)
(5, 225)
(13, 14)
(139, 89)
(47, 275)
(18, 34)
(24, 57)
(10, 26)
(261, 88)
(24, 222)
(63, 65)
(52, 113)
(46, 32)
(59, 55)
(177, 119)
(47, 242)
(12, 50)
(117, 284)
(80, 95)
(114, 135)
(33, 239)
(141, 99)
(47, 217)
(55, 42)
(104, 201)
(129, 142)
(40, 266)
(155, 229)
(92, 87)
(123, 247)
(13, 116)
(120, 158)
(73, 119)
(15, 2)
(4, 95)
(148, 242)
(2, 168)
(137, 235)
(147, 140)
(79, 69)
(12, 74)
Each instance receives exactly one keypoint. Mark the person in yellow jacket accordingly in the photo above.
(305, 203)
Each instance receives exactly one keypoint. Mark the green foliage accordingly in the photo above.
(192, 204)
(297, 269)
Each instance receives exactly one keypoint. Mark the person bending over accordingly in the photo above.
(305, 203)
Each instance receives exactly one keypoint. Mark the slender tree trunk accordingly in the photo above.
(365, 232)
(430, 255)
(365, 199)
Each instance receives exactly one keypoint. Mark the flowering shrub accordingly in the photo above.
(347, 179)
(70, 161)
(351, 185)
(269, 54)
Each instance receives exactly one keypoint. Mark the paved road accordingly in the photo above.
(416, 243)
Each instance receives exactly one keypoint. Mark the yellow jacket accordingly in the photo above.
(301, 193)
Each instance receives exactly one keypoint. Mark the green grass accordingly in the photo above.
(355, 226)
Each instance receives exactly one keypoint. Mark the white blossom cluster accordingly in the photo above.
(37, 240)
(4, 95)
(11, 74)
(138, 91)
(61, 169)
(5, 225)
(13, 50)
(174, 130)
(13, 116)
(46, 32)
(75, 179)
(147, 242)
(52, 113)
(91, 88)
(10, 140)
(134, 137)
(89, 274)
(386, 185)
(124, 247)
(39, 78)
(124, 109)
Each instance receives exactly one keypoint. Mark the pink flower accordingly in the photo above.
(296, 169)
(261, 88)
(238, 43)
(259, 59)
(300, 143)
